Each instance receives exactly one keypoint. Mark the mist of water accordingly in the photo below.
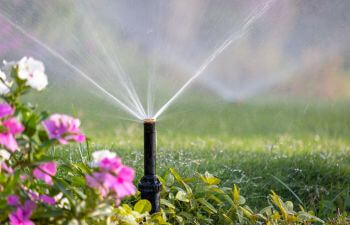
(298, 41)
(139, 57)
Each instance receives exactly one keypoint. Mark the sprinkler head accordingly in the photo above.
(149, 120)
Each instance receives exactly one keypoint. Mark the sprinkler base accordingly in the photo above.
(150, 187)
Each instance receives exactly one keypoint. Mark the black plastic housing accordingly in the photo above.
(149, 185)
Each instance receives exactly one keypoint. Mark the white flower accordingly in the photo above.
(99, 155)
(8, 65)
(63, 203)
(4, 89)
(4, 155)
(33, 71)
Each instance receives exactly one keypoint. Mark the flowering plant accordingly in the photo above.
(31, 189)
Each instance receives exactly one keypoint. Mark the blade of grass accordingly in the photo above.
(289, 189)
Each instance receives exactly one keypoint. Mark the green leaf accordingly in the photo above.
(188, 188)
(79, 193)
(167, 203)
(289, 205)
(44, 115)
(247, 212)
(237, 198)
(267, 210)
(159, 218)
(227, 219)
(176, 175)
(82, 168)
(43, 137)
(78, 181)
(217, 190)
(169, 179)
(182, 196)
(209, 179)
(229, 200)
(214, 198)
(187, 215)
(143, 206)
(31, 125)
(279, 203)
(307, 217)
(179, 219)
(61, 185)
(207, 205)
(164, 189)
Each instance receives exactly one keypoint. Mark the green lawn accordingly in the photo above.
(298, 150)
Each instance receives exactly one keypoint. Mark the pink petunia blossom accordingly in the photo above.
(117, 180)
(110, 164)
(9, 141)
(13, 126)
(45, 172)
(97, 156)
(5, 110)
(117, 202)
(7, 137)
(33, 195)
(94, 182)
(123, 185)
(22, 214)
(47, 199)
(19, 217)
(13, 200)
(29, 205)
(7, 168)
(103, 182)
(63, 128)
(23, 177)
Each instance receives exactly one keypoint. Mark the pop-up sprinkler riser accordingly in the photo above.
(149, 185)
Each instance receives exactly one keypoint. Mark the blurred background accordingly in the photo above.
(290, 53)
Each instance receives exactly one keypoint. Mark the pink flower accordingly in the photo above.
(110, 164)
(20, 217)
(7, 137)
(9, 141)
(101, 154)
(95, 181)
(13, 126)
(123, 185)
(48, 199)
(120, 183)
(45, 172)
(33, 195)
(117, 202)
(103, 182)
(23, 177)
(22, 214)
(29, 205)
(13, 200)
(63, 128)
(5, 110)
(7, 168)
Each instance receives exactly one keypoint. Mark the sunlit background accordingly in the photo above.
(116, 61)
